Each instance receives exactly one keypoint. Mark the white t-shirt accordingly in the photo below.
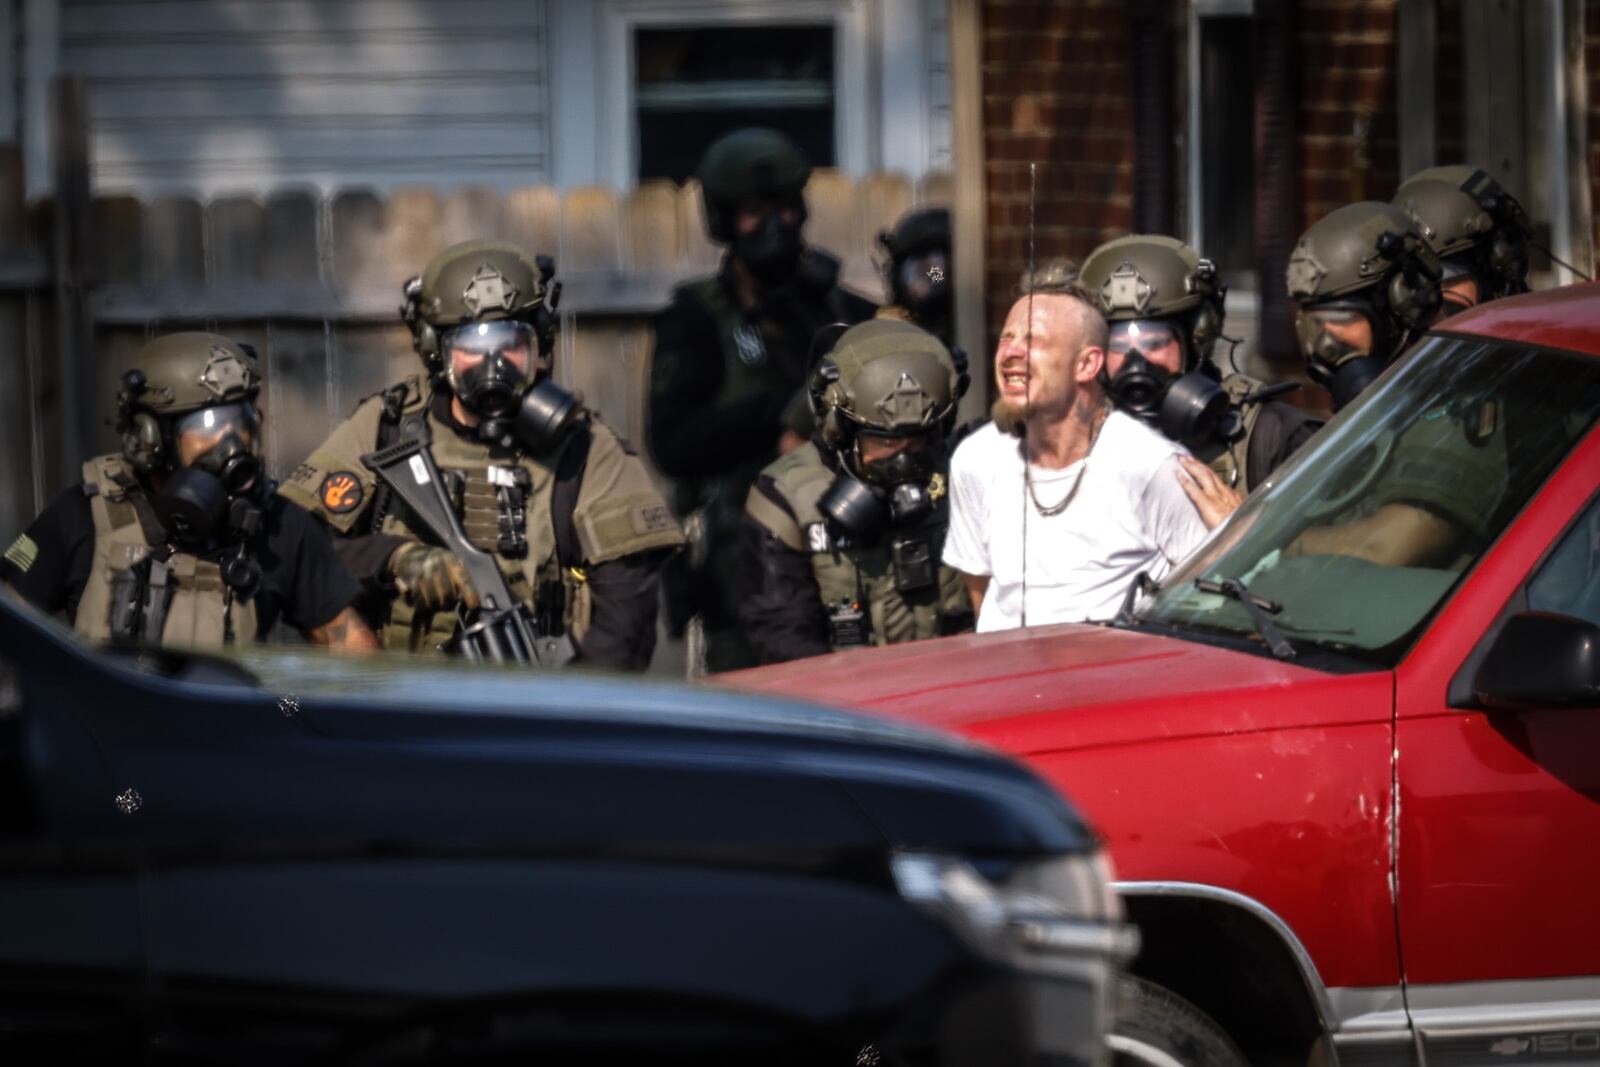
(1130, 514)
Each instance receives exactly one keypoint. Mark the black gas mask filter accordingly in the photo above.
(1190, 408)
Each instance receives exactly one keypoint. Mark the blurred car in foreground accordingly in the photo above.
(284, 857)
(1347, 758)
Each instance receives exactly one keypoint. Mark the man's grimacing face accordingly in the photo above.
(1040, 365)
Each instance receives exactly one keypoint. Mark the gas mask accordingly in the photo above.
(771, 251)
(1452, 298)
(489, 364)
(1190, 408)
(213, 498)
(544, 414)
(867, 498)
(1342, 368)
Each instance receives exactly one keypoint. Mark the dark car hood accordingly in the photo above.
(403, 751)
(1011, 688)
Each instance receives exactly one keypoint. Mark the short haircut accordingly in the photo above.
(1059, 277)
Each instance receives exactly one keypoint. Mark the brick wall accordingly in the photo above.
(1349, 140)
(1055, 94)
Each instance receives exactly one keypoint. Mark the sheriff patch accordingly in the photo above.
(817, 538)
(341, 493)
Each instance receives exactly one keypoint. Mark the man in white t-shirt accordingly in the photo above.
(1059, 537)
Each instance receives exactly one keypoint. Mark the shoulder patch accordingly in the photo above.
(22, 553)
(817, 538)
(341, 492)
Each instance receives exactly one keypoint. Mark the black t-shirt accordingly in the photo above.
(303, 580)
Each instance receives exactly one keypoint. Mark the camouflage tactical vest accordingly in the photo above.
(862, 575)
(1230, 462)
(505, 501)
(201, 607)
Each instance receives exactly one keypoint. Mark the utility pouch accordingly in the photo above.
(140, 597)
(846, 624)
(551, 618)
(912, 561)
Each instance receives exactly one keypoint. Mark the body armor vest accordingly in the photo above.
(199, 607)
(865, 576)
(504, 500)
(1230, 462)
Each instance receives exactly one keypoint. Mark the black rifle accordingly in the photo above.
(500, 629)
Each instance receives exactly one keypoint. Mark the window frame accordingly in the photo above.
(854, 100)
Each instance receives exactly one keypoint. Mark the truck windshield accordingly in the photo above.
(1360, 538)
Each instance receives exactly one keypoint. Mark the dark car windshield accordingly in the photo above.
(1363, 535)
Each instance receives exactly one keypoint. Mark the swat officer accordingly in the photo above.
(918, 271)
(1478, 230)
(1164, 306)
(728, 373)
(1366, 284)
(178, 540)
(565, 507)
(843, 536)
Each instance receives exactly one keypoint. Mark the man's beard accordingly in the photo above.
(1011, 416)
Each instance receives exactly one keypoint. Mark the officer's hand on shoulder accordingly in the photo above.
(431, 578)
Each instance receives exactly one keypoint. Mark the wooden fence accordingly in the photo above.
(314, 283)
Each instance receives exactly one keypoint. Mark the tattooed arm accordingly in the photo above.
(345, 633)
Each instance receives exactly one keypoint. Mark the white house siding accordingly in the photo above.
(214, 96)
(939, 119)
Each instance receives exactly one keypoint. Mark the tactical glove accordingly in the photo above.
(431, 578)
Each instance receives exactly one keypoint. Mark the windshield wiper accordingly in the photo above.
(1257, 607)
(1141, 585)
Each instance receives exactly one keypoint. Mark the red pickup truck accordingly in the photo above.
(1347, 757)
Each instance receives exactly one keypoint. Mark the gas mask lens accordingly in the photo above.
(223, 441)
(490, 363)
(1153, 339)
(925, 279)
(1327, 335)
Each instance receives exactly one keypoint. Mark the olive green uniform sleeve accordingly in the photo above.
(619, 510)
(332, 483)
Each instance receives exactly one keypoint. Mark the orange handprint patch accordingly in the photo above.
(341, 492)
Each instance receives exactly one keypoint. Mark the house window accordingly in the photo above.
(696, 84)
(1226, 140)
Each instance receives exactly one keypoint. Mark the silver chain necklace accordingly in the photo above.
(1027, 473)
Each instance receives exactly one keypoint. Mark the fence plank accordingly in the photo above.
(699, 254)
(531, 217)
(834, 222)
(652, 234)
(295, 400)
(937, 189)
(290, 239)
(175, 241)
(471, 214)
(415, 232)
(119, 252)
(884, 198)
(360, 256)
(236, 238)
(591, 230)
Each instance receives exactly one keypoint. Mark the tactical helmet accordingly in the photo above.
(1151, 276)
(885, 377)
(173, 376)
(749, 164)
(921, 230)
(1367, 251)
(1471, 221)
(480, 281)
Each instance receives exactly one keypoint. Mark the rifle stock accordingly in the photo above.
(501, 629)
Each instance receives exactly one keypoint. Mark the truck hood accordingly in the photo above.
(1011, 689)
